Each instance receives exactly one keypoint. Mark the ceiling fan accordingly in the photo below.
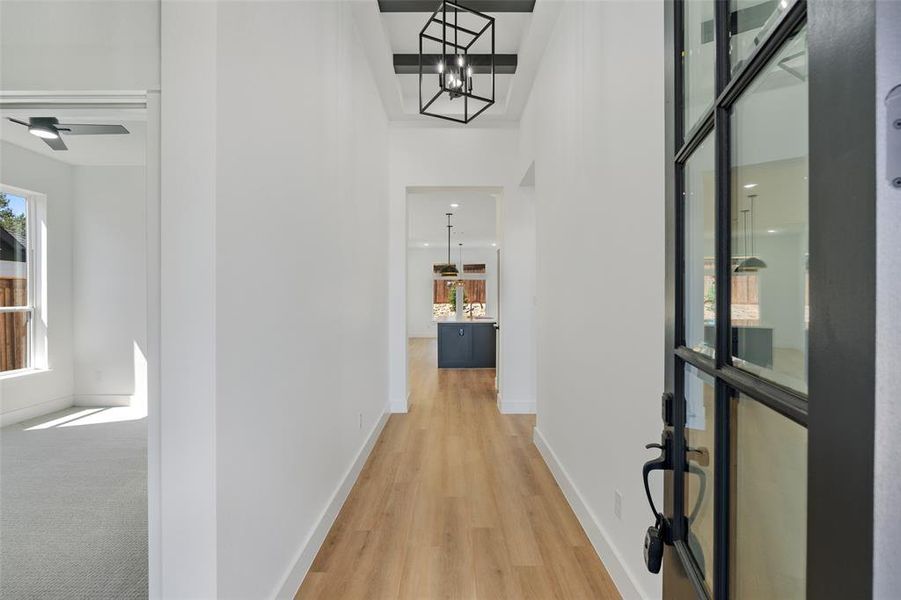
(51, 130)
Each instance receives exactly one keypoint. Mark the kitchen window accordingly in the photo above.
(474, 294)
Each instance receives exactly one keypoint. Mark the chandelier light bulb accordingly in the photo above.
(441, 67)
(460, 60)
(469, 71)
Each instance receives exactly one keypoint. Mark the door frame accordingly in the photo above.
(842, 332)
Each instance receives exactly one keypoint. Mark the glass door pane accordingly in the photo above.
(769, 503)
(700, 284)
(698, 56)
(700, 418)
(751, 23)
(769, 312)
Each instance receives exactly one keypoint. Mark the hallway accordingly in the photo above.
(456, 502)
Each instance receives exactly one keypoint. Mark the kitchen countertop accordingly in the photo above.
(486, 320)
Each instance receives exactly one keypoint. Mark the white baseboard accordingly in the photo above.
(517, 408)
(513, 407)
(400, 406)
(35, 410)
(623, 578)
(310, 547)
(102, 400)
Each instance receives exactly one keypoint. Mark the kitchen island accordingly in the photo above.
(467, 343)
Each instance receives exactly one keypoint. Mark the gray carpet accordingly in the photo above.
(73, 506)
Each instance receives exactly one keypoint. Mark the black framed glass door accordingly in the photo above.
(739, 296)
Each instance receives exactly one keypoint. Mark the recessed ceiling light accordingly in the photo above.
(426, 244)
(493, 244)
(771, 231)
(455, 205)
(748, 186)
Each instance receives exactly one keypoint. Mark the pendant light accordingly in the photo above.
(449, 270)
(751, 264)
(445, 49)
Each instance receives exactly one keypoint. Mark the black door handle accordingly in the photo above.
(661, 463)
(659, 533)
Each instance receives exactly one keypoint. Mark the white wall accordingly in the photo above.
(593, 127)
(110, 283)
(22, 397)
(420, 262)
(69, 45)
(187, 415)
(517, 377)
(298, 335)
(418, 159)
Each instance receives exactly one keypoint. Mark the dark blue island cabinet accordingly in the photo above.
(466, 345)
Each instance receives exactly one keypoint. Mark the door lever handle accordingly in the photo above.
(659, 533)
(661, 463)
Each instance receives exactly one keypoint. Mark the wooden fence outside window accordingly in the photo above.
(13, 326)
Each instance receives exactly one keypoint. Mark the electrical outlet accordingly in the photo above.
(618, 504)
(361, 420)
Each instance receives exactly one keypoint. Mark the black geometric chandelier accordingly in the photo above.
(452, 33)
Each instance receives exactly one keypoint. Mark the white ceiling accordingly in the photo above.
(84, 150)
(474, 221)
(386, 34)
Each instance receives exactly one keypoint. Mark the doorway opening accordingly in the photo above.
(79, 330)
(452, 279)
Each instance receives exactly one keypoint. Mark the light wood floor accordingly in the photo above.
(456, 502)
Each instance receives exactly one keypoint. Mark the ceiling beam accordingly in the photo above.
(485, 6)
(408, 64)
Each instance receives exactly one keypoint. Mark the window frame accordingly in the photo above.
(35, 270)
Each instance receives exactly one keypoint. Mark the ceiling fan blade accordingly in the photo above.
(56, 143)
(18, 121)
(91, 129)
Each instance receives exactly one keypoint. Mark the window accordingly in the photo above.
(444, 301)
(15, 283)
